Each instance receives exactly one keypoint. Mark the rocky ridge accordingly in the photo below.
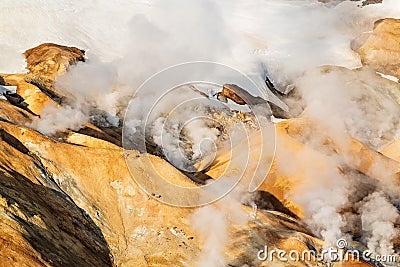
(70, 200)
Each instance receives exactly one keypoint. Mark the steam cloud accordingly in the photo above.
(378, 219)
(128, 41)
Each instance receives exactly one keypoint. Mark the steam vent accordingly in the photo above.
(153, 133)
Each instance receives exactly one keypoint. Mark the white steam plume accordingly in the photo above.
(213, 223)
(56, 119)
(212, 226)
(378, 218)
(360, 103)
(322, 193)
(138, 38)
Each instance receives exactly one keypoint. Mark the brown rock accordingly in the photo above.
(14, 114)
(392, 150)
(32, 95)
(41, 227)
(97, 179)
(381, 50)
(47, 61)
(229, 91)
(33, 229)
(239, 95)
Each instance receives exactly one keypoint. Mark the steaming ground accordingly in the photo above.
(128, 41)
